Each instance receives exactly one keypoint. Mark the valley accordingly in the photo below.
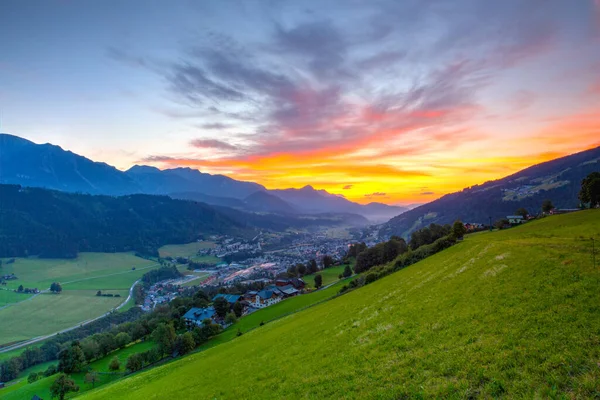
(509, 313)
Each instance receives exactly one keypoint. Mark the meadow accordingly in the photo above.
(329, 275)
(48, 313)
(80, 278)
(184, 250)
(24, 390)
(508, 314)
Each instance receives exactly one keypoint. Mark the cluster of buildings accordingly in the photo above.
(159, 293)
(251, 301)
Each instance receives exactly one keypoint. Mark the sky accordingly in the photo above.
(382, 100)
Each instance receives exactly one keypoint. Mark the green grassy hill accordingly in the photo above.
(512, 313)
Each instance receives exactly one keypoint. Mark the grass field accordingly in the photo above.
(35, 272)
(81, 278)
(509, 314)
(24, 390)
(10, 297)
(48, 313)
(184, 250)
(329, 275)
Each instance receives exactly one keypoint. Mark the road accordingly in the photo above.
(41, 338)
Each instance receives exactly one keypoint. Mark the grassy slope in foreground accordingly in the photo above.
(511, 313)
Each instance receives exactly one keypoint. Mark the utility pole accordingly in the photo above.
(490, 224)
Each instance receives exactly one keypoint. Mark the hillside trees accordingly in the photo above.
(164, 335)
(327, 261)
(114, 364)
(221, 306)
(238, 309)
(55, 287)
(63, 385)
(318, 281)
(347, 271)
(522, 212)
(379, 254)
(71, 359)
(590, 190)
(428, 235)
(312, 266)
(547, 206)
(458, 229)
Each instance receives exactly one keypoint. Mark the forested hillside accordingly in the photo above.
(56, 224)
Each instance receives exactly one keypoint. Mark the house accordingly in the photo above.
(297, 283)
(1, 385)
(265, 298)
(196, 316)
(284, 291)
(231, 298)
(515, 219)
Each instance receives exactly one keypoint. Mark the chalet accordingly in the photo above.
(231, 298)
(297, 283)
(473, 226)
(196, 316)
(284, 291)
(265, 298)
(515, 219)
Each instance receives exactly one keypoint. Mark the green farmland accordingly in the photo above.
(329, 275)
(48, 313)
(80, 278)
(184, 250)
(24, 390)
(510, 314)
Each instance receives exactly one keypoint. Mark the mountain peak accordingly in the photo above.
(142, 169)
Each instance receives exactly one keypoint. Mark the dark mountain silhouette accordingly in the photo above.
(45, 165)
(558, 180)
(29, 164)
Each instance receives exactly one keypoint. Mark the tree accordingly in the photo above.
(458, 229)
(501, 223)
(20, 289)
(71, 359)
(99, 293)
(33, 377)
(91, 378)
(55, 287)
(590, 190)
(63, 385)
(327, 261)
(347, 271)
(221, 306)
(238, 309)
(164, 335)
(114, 364)
(522, 212)
(312, 266)
(301, 269)
(547, 206)
(230, 319)
(134, 362)
(90, 348)
(318, 281)
(123, 339)
(187, 342)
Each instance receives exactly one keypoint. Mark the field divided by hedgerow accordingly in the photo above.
(504, 314)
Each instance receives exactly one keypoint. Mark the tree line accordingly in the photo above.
(53, 224)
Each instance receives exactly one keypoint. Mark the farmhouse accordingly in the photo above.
(264, 298)
(297, 283)
(231, 298)
(196, 316)
(515, 219)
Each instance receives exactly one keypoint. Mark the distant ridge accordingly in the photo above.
(558, 180)
(26, 163)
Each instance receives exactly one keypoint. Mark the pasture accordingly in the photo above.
(48, 313)
(184, 250)
(329, 275)
(509, 314)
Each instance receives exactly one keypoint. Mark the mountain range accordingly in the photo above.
(558, 180)
(48, 166)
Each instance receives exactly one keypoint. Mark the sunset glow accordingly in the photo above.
(398, 102)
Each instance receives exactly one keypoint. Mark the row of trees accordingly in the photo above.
(379, 254)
